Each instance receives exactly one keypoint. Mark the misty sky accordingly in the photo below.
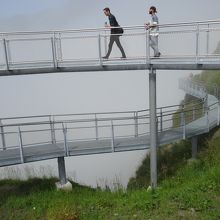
(92, 92)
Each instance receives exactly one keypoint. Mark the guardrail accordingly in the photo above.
(87, 46)
(186, 120)
(20, 132)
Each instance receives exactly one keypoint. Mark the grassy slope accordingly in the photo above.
(192, 193)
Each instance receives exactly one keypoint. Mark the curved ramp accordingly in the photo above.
(37, 138)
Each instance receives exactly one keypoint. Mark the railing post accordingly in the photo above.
(207, 119)
(183, 122)
(96, 128)
(53, 44)
(113, 137)
(2, 136)
(66, 148)
(193, 114)
(105, 42)
(136, 123)
(20, 145)
(100, 51)
(59, 48)
(147, 47)
(52, 129)
(207, 41)
(6, 54)
(197, 42)
(218, 116)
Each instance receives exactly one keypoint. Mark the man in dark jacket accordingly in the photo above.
(113, 37)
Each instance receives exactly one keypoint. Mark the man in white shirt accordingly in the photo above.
(153, 28)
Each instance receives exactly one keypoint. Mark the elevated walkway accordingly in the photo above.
(183, 46)
(37, 138)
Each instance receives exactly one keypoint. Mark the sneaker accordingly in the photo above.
(157, 55)
(105, 57)
(123, 57)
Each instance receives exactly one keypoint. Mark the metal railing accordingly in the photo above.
(53, 129)
(194, 41)
(22, 133)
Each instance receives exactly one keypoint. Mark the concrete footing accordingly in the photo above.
(65, 187)
(63, 184)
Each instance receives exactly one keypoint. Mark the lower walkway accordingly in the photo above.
(100, 135)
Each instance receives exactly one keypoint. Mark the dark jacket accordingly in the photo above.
(113, 22)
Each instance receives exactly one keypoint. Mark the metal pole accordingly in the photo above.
(113, 137)
(161, 119)
(59, 48)
(3, 136)
(66, 149)
(194, 143)
(20, 145)
(193, 114)
(197, 42)
(183, 122)
(105, 42)
(136, 123)
(207, 115)
(62, 170)
(6, 54)
(53, 39)
(207, 42)
(53, 139)
(153, 127)
(147, 47)
(96, 128)
(218, 116)
(100, 51)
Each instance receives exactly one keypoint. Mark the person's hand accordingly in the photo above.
(147, 26)
(106, 25)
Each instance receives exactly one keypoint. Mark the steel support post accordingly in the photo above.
(194, 142)
(153, 127)
(62, 170)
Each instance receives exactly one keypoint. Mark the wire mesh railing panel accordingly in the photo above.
(36, 137)
(79, 49)
(190, 42)
(10, 140)
(35, 50)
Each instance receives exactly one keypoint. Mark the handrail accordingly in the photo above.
(105, 29)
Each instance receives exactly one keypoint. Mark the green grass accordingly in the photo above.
(191, 192)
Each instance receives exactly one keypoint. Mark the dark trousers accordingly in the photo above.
(115, 38)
